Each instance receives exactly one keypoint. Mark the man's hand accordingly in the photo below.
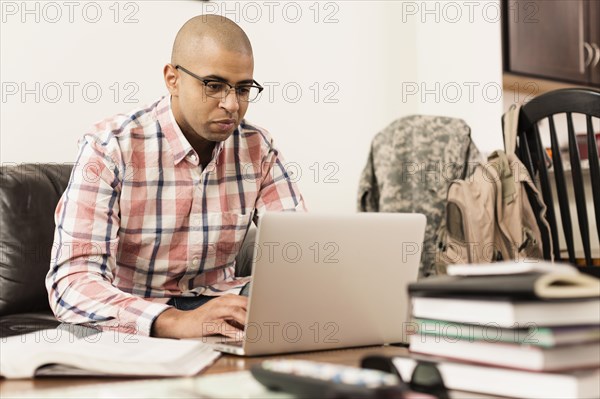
(224, 315)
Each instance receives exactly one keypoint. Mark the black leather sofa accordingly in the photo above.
(28, 197)
(28, 194)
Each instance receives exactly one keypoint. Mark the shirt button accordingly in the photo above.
(193, 157)
(195, 261)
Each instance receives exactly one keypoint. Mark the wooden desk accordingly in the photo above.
(227, 363)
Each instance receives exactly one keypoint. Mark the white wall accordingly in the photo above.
(459, 69)
(360, 62)
(359, 57)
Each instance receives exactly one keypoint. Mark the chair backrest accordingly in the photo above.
(532, 153)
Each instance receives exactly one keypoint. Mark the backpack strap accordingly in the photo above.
(510, 122)
(499, 160)
(465, 170)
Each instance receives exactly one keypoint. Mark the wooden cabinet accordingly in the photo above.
(594, 24)
(553, 39)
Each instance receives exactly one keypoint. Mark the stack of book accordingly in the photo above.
(511, 330)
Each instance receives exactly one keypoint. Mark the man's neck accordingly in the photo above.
(203, 148)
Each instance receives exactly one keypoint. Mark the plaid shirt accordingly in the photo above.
(140, 221)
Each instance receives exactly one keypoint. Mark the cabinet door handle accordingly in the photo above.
(589, 54)
(596, 55)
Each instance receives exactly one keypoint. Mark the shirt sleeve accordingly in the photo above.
(80, 280)
(278, 190)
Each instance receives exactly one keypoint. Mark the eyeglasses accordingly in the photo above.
(219, 89)
(425, 378)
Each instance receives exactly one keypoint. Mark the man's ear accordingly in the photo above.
(171, 76)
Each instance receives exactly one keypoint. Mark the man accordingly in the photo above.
(159, 201)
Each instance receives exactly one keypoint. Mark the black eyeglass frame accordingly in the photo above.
(205, 81)
(386, 364)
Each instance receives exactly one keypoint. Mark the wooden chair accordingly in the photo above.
(537, 160)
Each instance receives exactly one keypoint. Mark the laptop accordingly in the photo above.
(324, 281)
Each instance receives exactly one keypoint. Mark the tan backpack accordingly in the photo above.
(488, 215)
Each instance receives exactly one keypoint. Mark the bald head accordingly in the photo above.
(208, 30)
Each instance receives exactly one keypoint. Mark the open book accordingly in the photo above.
(529, 286)
(511, 267)
(59, 352)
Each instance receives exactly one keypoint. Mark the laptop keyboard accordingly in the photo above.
(238, 344)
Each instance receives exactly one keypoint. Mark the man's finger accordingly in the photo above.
(231, 331)
(234, 300)
(235, 313)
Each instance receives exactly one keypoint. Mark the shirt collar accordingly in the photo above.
(180, 147)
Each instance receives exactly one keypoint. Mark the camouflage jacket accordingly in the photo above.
(410, 165)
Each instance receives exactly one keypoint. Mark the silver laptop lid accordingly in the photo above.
(329, 281)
